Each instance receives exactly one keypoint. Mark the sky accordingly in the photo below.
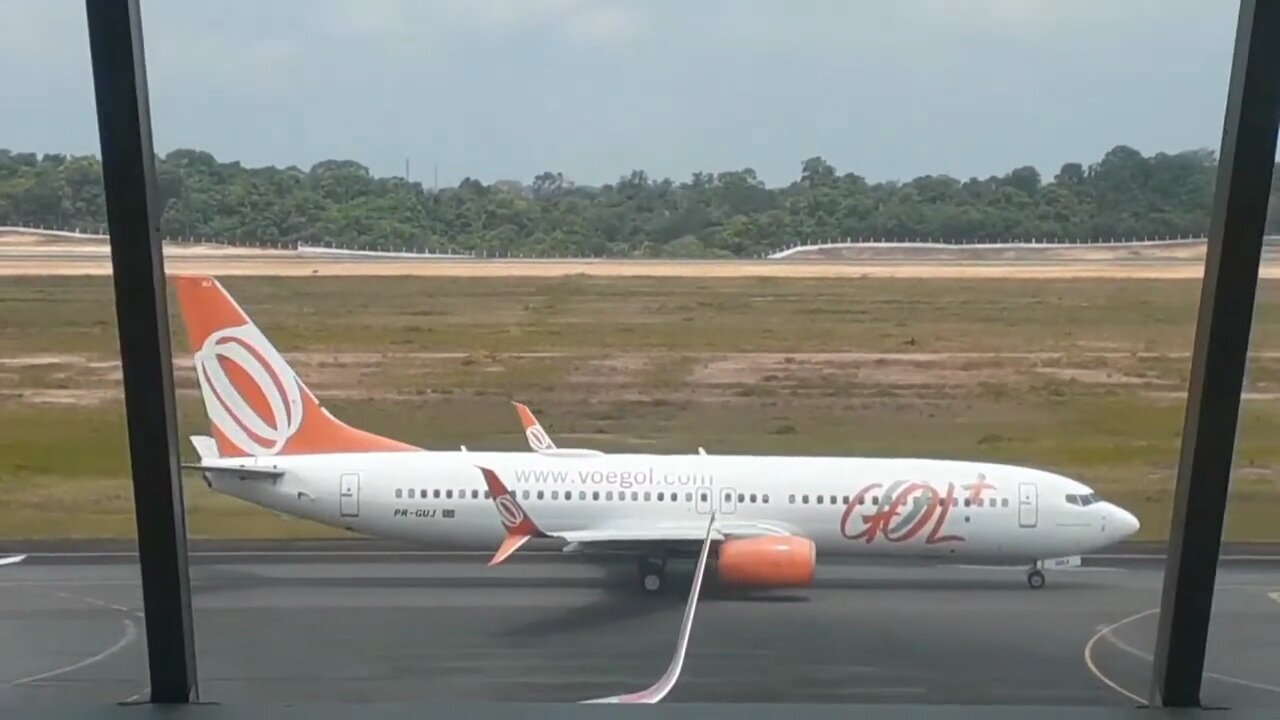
(506, 89)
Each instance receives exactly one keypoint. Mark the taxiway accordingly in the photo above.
(391, 627)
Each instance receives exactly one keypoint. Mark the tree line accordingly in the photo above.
(731, 213)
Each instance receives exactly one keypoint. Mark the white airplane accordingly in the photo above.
(273, 444)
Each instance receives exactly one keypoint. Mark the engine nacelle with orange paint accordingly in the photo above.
(770, 561)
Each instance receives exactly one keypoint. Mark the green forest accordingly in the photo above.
(731, 213)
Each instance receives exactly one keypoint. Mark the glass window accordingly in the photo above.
(436, 493)
(804, 499)
(742, 497)
(833, 499)
(845, 500)
(1004, 502)
(486, 495)
(966, 502)
(475, 494)
(608, 495)
(647, 496)
(399, 493)
(448, 494)
(818, 499)
(595, 494)
(539, 494)
(765, 498)
(660, 497)
(791, 499)
(555, 494)
(582, 494)
(635, 496)
(753, 497)
(688, 497)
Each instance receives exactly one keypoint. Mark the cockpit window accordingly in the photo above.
(1083, 500)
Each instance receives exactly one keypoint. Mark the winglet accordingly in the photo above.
(533, 432)
(520, 527)
(659, 690)
(12, 559)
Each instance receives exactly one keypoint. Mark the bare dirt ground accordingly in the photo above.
(32, 255)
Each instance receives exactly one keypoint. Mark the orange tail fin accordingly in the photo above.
(256, 403)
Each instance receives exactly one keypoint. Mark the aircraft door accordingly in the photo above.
(703, 502)
(1028, 505)
(349, 495)
(728, 501)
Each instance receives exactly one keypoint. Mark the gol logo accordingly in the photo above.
(538, 438)
(244, 426)
(509, 511)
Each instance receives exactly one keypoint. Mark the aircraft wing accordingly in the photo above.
(631, 536)
(657, 691)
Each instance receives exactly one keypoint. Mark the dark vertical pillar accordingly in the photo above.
(128, 169)
(1218, 359)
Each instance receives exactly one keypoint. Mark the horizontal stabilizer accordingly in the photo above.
(238, 471)
(206, 447)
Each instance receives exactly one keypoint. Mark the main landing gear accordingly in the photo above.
(653, 574)
(1035, 578)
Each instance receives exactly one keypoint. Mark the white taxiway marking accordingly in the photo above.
(1106, 632)
(130, 634)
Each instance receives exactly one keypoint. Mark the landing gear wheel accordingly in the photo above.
(1035, 579)
(653, 575)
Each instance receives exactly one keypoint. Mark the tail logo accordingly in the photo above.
(538, 438)
(254, 432)
(509, 511)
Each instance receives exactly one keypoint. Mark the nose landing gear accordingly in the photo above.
(1035, 578)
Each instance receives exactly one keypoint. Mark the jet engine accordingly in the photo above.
(767, 561)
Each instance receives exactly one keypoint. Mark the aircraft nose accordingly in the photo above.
(1125, 523)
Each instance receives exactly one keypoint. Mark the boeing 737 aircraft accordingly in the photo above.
(275, 445)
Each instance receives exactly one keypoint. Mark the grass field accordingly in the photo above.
(1084, 377)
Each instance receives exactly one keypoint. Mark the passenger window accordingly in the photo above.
(765, 498)
(675, 497)
(661, 497)
(539, 494)
(791, 499)
(608, 495)
(524, 494)
(486, 495)
(448, 494)
(688, 497)
(555, 494)
(635, 496)
(846, 500)
(647, 496)
(621, 496)
(818, 499)
(595, 495)
(875, 499)
(833, 499)
(582, 494)
(436, 493)
(410, 493)
(1004, 502)
(399, 492)
(804, 499)
(742, 497)
(753, 498)
(966, 502)
(475, 494)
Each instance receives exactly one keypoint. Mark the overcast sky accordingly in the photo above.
(594, 88)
